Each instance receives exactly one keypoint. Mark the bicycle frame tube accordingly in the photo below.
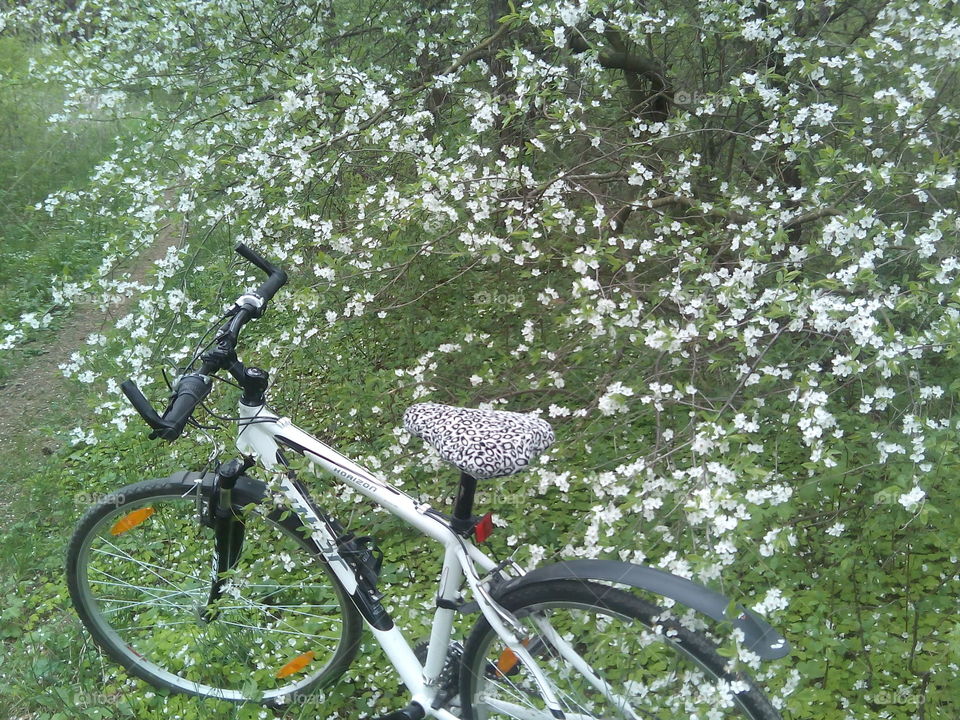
(264, 437)
(262, 434)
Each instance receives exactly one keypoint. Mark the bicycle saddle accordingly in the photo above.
(482, 443)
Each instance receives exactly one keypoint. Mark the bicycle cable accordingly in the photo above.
(200, 348)
(241, 421)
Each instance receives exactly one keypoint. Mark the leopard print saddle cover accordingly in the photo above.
(482, 443)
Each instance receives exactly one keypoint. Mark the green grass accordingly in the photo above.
(49, 669)
(36, 159)
(40, 639)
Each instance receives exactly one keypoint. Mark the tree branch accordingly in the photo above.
(812, 215)
(476, 51)
(633, 63)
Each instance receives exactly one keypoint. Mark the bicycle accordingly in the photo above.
(202, 583)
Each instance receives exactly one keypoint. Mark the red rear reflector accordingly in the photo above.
(484, 528)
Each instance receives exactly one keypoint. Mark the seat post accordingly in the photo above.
(462, 520)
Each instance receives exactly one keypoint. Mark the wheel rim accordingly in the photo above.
(278, 627)
(637, 672)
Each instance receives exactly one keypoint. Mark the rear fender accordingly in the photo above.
(759, 636)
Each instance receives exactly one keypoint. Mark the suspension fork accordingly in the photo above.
(228, 529)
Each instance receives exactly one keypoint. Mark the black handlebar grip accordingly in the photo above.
(272, 284)
(251, 255)
(141, 404)
(277, 277)
(191, 390)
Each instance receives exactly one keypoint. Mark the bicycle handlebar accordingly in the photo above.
(191, 389)
(275, 276)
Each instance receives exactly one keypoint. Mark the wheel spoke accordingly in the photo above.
(527, 713)
(145, 590)
(143, 563)
(140, 563)
(165, 624)
(272, 630)
(128, 604)
(569, 654)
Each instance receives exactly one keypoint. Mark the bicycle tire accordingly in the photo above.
(125, 577)
(604, 625)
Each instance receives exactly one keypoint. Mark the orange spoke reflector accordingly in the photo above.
(507, 661)
(295, 665)
(508, 658)
(131, 520)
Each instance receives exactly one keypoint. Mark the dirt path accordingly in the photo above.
(33, 391)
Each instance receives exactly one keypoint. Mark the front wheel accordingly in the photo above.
(139, 569)
(607, 655)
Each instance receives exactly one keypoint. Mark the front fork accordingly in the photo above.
(228, 530)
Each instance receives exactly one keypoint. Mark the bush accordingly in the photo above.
(713, 242)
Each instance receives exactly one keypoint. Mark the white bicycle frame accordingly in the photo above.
(262, 434)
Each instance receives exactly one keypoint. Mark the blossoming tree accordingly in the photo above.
(713, 242)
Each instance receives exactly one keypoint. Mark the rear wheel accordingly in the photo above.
(139, 572)
(607, 656)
